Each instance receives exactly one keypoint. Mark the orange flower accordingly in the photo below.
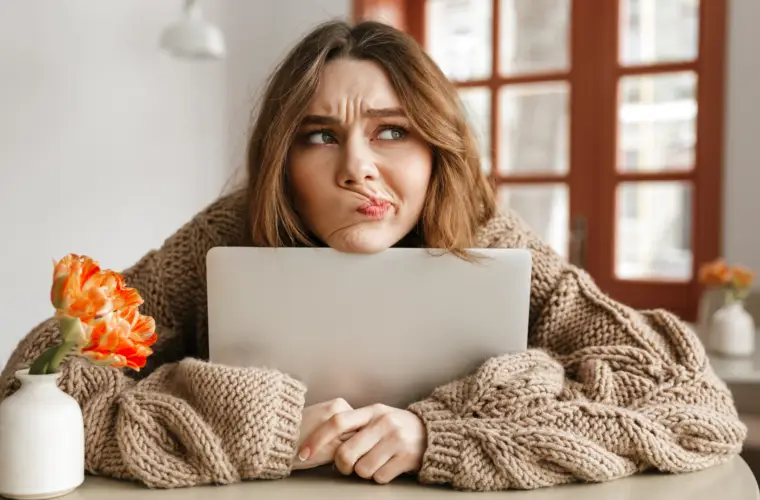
(82, 290)
(68, 276)
(121, 339)
(108, 329)
(742, 277)
(715, 273)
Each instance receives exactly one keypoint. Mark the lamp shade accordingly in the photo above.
(192, 37)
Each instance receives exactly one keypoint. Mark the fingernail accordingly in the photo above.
(303, 455)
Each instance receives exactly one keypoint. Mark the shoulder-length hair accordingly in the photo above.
(460, 198)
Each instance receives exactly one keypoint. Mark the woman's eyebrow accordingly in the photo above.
(369, 113)
(385, 113)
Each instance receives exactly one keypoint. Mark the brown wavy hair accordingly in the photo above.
(460, 198)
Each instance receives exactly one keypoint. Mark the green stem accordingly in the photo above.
(48, 361)
(40, 365)
(62, 351)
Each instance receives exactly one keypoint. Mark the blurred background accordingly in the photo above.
(623, 131)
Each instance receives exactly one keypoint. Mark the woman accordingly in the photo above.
(360, 144)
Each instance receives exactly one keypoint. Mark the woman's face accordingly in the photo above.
(358, 173)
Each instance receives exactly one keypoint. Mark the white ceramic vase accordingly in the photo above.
(41, 440)
(732, 331)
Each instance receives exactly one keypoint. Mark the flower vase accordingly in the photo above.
(732, 330)
(41, 440)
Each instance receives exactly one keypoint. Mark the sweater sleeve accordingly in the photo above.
(183, 421)
(604, 392)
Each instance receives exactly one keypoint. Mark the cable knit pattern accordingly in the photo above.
(603, 392)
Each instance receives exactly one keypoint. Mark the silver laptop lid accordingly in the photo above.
(386, 328)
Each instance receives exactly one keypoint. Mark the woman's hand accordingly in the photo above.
(311, 418)
(387, 442)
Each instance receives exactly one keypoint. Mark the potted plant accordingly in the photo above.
(41, 427)
(732, 329)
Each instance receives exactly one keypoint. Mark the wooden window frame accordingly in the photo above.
(706, 175)
(593, 76)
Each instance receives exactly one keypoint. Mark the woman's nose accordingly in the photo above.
(357, 167)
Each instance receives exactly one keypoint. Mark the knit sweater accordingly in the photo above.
(603, 391)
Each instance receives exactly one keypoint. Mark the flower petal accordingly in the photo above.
(91, 304)
(742, 277)
(127, 297)
(105, 359)
(89, 269)
(144, 330)
(136, 362)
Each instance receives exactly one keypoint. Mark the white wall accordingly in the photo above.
(107, 144)
(741, 231)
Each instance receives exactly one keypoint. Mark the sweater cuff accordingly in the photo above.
(287, 422)
(443, 456)
(445, 443)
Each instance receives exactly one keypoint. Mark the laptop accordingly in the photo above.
(383, 328)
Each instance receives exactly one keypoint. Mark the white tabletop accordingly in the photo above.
(733, 480)
(736, 369)
(744, 370)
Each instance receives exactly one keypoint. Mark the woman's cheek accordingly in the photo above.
(411, 173)
(309, 170)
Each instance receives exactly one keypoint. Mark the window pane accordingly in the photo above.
(653, 231)
(533, 128)
(459, 37)
(545, 208)
(657, 122)
(477, 104)
(656, 31)
(534, 36)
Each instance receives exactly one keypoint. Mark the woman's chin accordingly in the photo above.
(362, 241)
(361, 248)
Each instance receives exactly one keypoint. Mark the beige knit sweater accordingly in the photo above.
(604, 391)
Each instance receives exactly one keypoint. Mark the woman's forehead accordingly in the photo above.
(353, 83)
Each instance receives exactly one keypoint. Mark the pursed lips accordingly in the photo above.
(375, 208)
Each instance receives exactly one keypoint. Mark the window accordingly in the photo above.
(599, 122)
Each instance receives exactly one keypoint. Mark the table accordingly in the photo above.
(732, 369)
(737, 370)
(732, 480)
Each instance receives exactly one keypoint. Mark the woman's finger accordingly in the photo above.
(372, 461)
(334, 427)
(347, 436)
(391, 469)
(355, 448)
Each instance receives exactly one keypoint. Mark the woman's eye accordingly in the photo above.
(321, 137)
(392, 134)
